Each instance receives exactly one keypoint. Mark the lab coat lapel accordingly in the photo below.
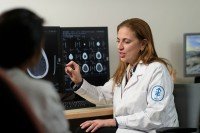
(124, 82)
(135, 78)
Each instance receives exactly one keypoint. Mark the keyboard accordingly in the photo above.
(77, 104)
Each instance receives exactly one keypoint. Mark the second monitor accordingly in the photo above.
(88, 46)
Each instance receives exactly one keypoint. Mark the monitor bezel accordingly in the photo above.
(59, 56)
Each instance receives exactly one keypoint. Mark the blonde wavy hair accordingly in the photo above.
(142, 31)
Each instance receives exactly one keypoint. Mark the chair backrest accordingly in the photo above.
(16, 113)
(187, 101)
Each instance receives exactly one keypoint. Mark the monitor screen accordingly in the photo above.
(50, 64)
(192, 54)
(87, 46)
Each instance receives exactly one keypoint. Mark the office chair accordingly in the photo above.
(16, 113)
(187, 102)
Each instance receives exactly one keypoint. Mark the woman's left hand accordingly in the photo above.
(93, 125)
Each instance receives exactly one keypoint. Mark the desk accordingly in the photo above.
(88, 112)
(76, 116)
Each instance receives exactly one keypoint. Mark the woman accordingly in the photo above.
(21, 39)
(141, 89)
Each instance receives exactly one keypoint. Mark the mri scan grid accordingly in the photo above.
(88, 46)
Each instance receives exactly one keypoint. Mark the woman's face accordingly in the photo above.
(128, 45)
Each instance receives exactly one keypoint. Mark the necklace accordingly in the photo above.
(130, 73)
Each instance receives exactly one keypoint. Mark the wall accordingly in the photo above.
(169, 19)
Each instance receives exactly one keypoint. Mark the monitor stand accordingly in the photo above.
(197, 79)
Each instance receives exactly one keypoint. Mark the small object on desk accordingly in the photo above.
(77, 104)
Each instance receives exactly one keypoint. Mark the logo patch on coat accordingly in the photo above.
(157, 93)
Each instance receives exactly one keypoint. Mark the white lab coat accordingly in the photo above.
(144, 104)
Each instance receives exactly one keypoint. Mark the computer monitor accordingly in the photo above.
(87, 46)
(192, 55)
(50, 65)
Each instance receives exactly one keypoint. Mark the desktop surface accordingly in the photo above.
(89, 112)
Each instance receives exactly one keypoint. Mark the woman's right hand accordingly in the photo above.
(93, 125)
(73, 70)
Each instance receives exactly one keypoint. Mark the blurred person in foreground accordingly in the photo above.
(21, 39)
